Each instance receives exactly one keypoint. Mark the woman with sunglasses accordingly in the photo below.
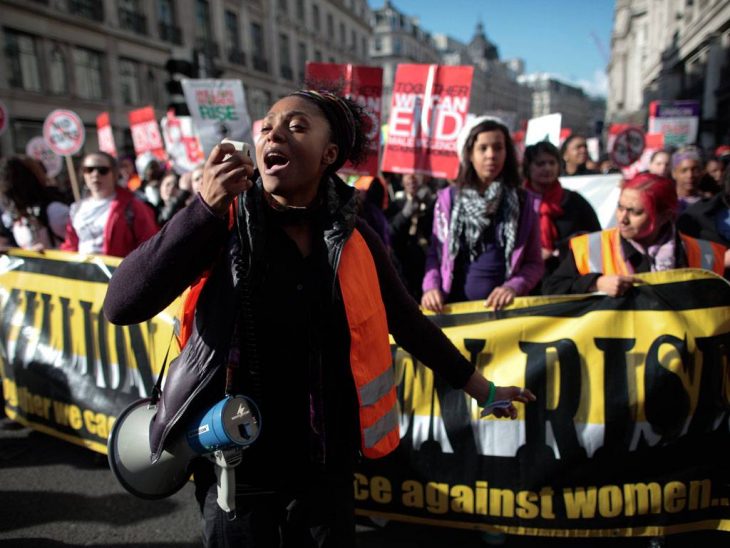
(312, 335)
(109, 220)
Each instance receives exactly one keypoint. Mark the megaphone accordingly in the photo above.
(233, 422)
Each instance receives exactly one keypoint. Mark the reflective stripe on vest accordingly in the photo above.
(600, 252)
(704, 254)
(370, 356)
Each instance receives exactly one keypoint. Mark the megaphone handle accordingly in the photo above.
(226, 476)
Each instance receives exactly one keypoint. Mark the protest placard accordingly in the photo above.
(364, 85)
(146, 134)
(181, 143)
(678, 121)
(105, 135)
(218, 109)
(428, 110)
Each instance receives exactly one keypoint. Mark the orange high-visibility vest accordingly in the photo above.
(370, 357)
(601, 252)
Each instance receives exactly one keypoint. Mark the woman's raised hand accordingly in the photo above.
(226, 174)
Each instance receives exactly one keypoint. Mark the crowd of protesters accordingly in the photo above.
(503, 228)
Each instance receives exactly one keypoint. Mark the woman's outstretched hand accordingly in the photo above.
(510, 394)
(478, 387)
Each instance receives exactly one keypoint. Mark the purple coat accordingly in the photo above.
(526, 260)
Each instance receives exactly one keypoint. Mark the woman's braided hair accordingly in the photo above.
(348, 121)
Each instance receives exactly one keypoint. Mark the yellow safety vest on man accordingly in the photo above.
(601, 252)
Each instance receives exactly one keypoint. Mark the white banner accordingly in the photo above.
(601, 191)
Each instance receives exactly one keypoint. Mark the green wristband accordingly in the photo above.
(490, 397)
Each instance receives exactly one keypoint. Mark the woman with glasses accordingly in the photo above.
(109, 220)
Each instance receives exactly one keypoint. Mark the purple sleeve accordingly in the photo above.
(161, 268)
(432, 275)
(532, 267)
(410, 328)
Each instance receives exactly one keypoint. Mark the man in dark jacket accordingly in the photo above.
(710, 219)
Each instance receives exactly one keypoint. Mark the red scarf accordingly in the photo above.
(549, 211)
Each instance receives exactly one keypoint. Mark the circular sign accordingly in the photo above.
(38, 149)
(64, 132)
(628, 147)
(3, 117)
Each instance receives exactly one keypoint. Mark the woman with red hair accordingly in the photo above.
(644, 240)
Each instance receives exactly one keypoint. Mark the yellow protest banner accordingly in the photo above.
(629, 436)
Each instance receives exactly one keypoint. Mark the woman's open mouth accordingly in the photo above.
(275, 162)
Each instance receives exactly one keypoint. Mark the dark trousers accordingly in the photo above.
(320, 514)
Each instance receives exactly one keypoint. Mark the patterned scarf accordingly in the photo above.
(473, 213)
(549, 211)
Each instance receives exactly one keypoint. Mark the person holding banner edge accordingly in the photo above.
(324, 296)
(645, 240)
(485, 242)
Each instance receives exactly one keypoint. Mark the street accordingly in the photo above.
(54, 493)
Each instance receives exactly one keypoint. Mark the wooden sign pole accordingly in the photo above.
(72, 176)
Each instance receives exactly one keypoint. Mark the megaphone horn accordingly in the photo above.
(232, 422)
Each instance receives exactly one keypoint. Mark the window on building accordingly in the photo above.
(57, 71)
(315, 17)
(302, 59)
(378, 43)
(353, 40)
(300, 11)
(232, 37)
(330, 26)
(22, 59)
(167, 22)
(283, 6)
(343, 34)
(203, 32)
(285, 57)
(259, 51)
(88, 74)
(364, 46)
(131, 16)
(129, 81)
(91, 9)
(318, 56)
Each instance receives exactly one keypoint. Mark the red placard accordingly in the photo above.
(428, 110)
(364, 85)
(105, 135)
(64, 132)
(146, 134)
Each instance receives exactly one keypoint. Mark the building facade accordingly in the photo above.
(580, 113)
(398, 39)
(92, 56)
(672, 50)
